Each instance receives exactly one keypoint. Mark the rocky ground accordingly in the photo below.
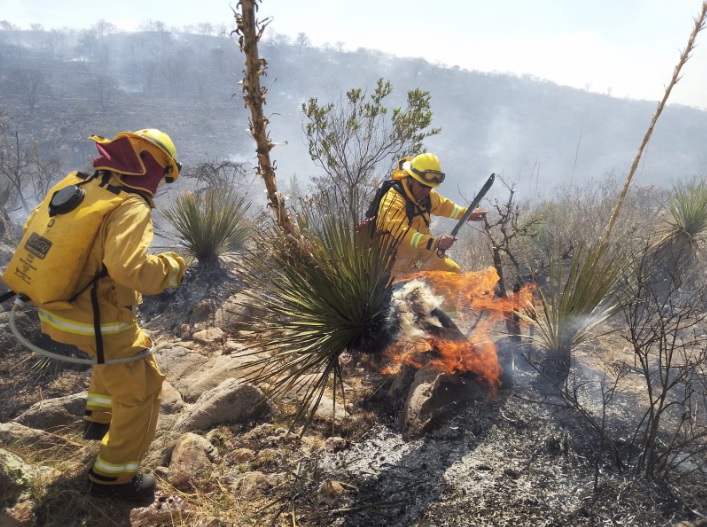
(520, 456)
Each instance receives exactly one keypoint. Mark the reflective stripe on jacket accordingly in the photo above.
(121, 247)
(413, 236)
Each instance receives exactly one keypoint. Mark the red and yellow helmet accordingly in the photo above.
(129, 146)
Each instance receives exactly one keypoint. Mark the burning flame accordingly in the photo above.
(472, 296)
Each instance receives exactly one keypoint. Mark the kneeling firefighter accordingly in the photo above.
(96, 230)
(405, 213)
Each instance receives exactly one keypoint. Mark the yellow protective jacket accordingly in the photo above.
(413, 237)
(121, 247)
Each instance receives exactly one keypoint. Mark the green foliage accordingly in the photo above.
(350, 138)
(210, 223)
(303, 317)
(688, 207)
(674, 253)
(576, 301)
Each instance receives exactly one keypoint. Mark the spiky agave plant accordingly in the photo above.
(576, 301)
(303, 316)
(210, 223)
(674, 252)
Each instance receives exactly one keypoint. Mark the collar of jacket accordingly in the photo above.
(408, 191)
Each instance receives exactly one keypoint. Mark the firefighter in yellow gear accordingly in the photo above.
(123, 399)
(407, 218)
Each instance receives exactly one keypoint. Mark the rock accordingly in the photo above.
(232, 346)
(172, 401)
(203, 311)
(193, 384)
(237, 312)
(209, 336)
(14, 433)
(330, 492)
(191, 460)
(299, 387)
(15, 477)
(231, 401)
(20, 515)
(434, 398)
(177, 362)
(326, 410)
(165, 510)
(251, 485)
(54, 413)
(401, 386)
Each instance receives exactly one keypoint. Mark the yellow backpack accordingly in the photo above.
(58, 236)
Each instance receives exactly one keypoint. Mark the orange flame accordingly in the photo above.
(472, 295)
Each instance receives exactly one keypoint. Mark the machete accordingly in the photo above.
(475, 203)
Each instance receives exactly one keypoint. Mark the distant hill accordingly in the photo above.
(60, 87)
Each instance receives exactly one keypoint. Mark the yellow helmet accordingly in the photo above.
(165, 145)
(425, 169)
(125, 150)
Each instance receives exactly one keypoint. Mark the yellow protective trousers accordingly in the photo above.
(126, 396)
(407, 265)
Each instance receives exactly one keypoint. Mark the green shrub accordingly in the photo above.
(211, 223)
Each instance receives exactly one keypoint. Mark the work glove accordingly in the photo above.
(477, 215)
(176, 265)
(444, 242)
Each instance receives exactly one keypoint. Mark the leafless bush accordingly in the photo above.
(105, 89)
(29, 83)
(577, 216)
(219, 174)
(520, 239)
(667, 333)
(25, 176)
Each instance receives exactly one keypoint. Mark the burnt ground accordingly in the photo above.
(523, 457)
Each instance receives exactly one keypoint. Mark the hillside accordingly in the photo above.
(457, 422)
(60, 88)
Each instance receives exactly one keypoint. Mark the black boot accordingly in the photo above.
(93, 430)
(141, 487)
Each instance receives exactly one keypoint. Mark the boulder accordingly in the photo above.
(191, 460)
(177, 362)
(14, 433)
(172, 401)
(193, 384)
(15, 478)
(54, 414)
(436, 397)
(231, 401)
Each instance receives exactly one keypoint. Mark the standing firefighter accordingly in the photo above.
(100, 225)
(405, 212)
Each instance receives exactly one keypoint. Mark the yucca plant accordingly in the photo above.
(674, 252)
(305, 316)
(578, 299)
(210, 223)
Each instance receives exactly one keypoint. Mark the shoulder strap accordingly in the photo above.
(381, 191)
(411, 208)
